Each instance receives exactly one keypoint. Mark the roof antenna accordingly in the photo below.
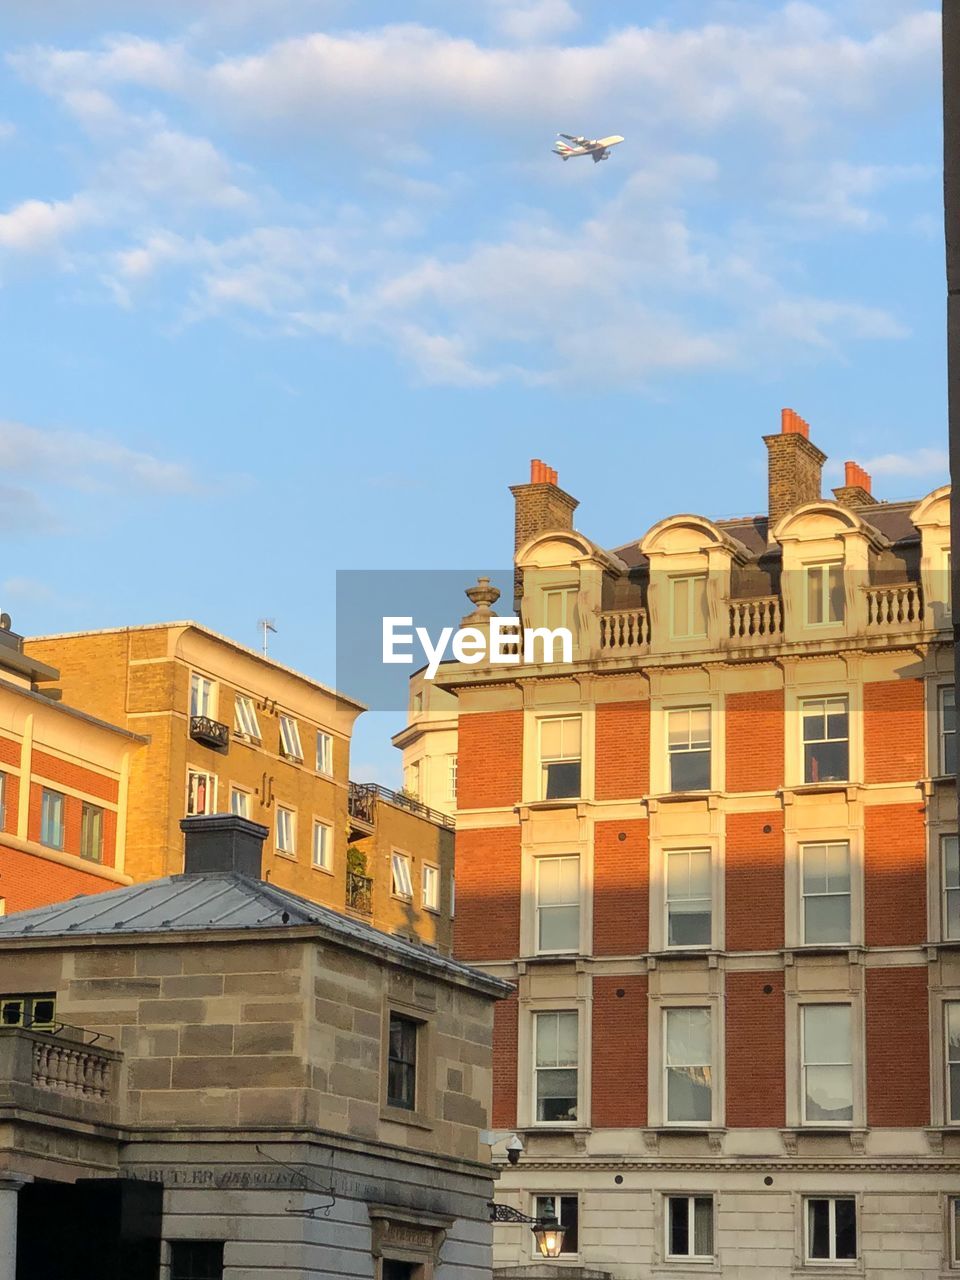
(267, 625)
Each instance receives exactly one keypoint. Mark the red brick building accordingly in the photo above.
(63, 789)
(717, 855)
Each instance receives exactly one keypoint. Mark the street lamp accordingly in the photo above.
(547, 1232)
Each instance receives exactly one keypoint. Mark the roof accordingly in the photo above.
(214, 635)
(220, 903)
(64, 708)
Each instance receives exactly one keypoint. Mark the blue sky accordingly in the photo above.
(291, 286)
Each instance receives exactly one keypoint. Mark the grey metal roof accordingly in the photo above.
(217, 903)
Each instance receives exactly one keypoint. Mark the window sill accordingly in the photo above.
(399, 1115)
(327, 871)
(824, 949)
(679, 797)
(695, 1266)
(817, 788)
(282, 853)
(434, 911)
(403, 897)
(558, 802)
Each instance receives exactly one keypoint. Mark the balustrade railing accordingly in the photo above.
(360, 893)
(624, 630)
(756, 621)
(894, 607)
(80, 1071)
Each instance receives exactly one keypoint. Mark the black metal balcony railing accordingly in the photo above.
(362, 798)
(208, 731)
(360, 893)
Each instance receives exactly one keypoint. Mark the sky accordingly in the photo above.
(296, 286)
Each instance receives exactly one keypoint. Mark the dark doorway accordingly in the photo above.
(94, 1229)
(393, 1269)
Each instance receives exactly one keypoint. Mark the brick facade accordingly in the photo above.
(754, 881)
(488, 894)
(621, 907)
(893, 730)
(619, 1082)
(898, 1059)
(755, 1060)
(895, 875)
(755, 737)
(489, 772)
(623, 750)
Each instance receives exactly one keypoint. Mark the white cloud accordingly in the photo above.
(82, 461)
(26, 589)
(39, 226)
(921, 462)
(534, 20)
(837, 193)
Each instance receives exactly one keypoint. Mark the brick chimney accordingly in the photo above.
(540, 505)
(856, 488)
(222, 843)
(794, 466)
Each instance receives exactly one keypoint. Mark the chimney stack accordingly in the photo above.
(221, 844)
(540, 505)
(856, 488)
(794, 466)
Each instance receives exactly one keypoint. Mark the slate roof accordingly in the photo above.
(224, 901)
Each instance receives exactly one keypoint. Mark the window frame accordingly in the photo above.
(953, 1232)
(666, 1010)
(246, 725)
(28, 1000)
(542, 762)
(671, 752)
(178, 1272)
(411, 1068)
(852, 1065)
(666, 855)
(452, 762)
(291, 747)
(557, 1197)
(812, 1260)
(87, 808)
(690, 1198)
(536, 1069)
(247, 795)
(689, 579)
(568, 595)
(430, 871)
(324, 753)
(538, 861)
(292, 815)
(825, 594)
(211, 790)
(202, 683)
(951, 1120)
(3, 800)
(326, 864)
(942, 734)
(401, 862)
(802, 849)
(825, 699)
(51, 794)
(947, 889)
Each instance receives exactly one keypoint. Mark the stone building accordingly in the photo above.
(213, 1077)
(231, 730)
(63, 787)
(717, 854)
(428, 742)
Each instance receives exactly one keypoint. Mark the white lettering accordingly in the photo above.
(548, 640)
(391, 639)
(434, 653)
(504, 631)
(469, 645)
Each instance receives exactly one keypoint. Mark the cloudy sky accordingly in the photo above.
(291, 286)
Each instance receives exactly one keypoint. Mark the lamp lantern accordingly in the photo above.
(549, 1234)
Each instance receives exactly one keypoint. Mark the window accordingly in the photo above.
(51, 819)
(411, 779)
(453, 897)
(245, 717)
(954, 1227)
(324, 753)
(402, 879)
(557, 1055)
(824, 594)
(558, 903)
(826, 892)
(239, 803)
(452, 780)
(201, 792)
(290, 738)
(688, 1062)
(418, 702)
(201, 696)
(688, 748)
(322, 846)
(950, 861)
(688, 898)
(560, 757)
(196, 1260)
(431, 887)
(831, 1229)
(560, 610)
(3, 801)
(827, 1046)
(28, 1010)
(826, 746)
(402, 1063)
(689, 1226)
(688, 607)
(91, 833)
(286, 831)
(566, 1211)
(952, 1011)
(948, 731)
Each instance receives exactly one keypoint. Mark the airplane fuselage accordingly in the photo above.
(599, 148)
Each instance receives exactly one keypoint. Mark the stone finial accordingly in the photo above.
(483, 596)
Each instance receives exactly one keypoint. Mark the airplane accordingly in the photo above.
(599, 148)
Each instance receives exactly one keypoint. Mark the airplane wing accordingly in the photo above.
(597, 155)
(571, 137)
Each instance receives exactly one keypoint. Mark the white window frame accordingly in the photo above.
(688, 579)
(3, 801)
(832, 1261)
(452, 779)
(942, 734)
(212, 785)
(203, 696)
(805, 1065)
(666, 1010)
(325, 753)
(561, 759)
(453, 897)
(287, 850)
(245, 722)
(668, 1199)
(953, 1232)
(401, 875)
(578, 902)
(825, 595)
(802, 854)
(325, 862)
(689, 749)
(556, 1196)
(240, 791)
(551, 1124)
(290, 746)
(685, 946)
(825, 699)
(946, 889)
(430, 887)
(569, 617)
(947, 1060)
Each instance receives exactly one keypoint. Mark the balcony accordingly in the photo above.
(362, 804)
(210, 732)
(624, 631)
(359, 893)
(756, 621)
(894, 608)
(59, 1072)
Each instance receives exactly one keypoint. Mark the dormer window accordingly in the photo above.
(688, 607)
(824, 594)
(560, 610)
